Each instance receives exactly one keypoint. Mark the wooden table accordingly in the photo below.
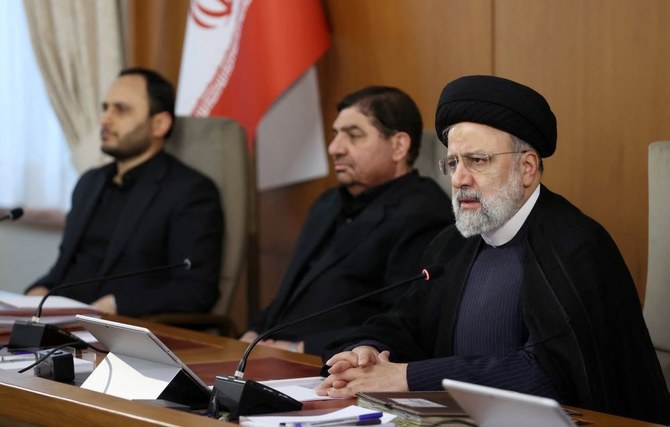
(28, 400)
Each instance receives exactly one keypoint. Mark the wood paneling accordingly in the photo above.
(417, 46)
(601, 64)
(155, 34)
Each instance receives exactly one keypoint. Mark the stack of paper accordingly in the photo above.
(414, 408)
(301, 389)
(56, 309)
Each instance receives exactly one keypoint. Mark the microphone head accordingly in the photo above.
(11, 215)
(15, 214)
(432, 272)
(187, 264)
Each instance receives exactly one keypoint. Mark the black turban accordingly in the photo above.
(501, 104)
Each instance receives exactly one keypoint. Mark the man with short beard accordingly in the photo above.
(146, 209)
(536, 297)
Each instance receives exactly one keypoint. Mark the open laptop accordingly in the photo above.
(139, 366)
(493, 407)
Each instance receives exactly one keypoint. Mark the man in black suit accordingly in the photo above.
(365, 234)
(146, 209)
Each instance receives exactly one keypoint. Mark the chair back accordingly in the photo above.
(657, 297)
(217, 147)
(432, 150)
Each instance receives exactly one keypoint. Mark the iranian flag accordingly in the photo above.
(253, 60)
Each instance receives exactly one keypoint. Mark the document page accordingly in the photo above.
(301, 389)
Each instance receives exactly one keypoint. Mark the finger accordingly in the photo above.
(349, 356)
(340, 367)
(321, 391)
(367, 358)
(366, 355)
(339, 384)
(337, 380)
(322, 388)
(340, 393)
(384, 356)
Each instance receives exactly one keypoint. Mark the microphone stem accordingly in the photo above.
(38, 311)
(239, 373)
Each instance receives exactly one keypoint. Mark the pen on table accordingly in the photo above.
(364, 419)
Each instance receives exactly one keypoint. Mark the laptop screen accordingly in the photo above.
(493, 407)
(140, 343)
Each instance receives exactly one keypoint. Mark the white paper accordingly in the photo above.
(349, 411)
(11, 300)
(14, 301)
(8, 321)
(301, 389)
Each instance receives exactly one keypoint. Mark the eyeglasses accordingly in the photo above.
(473, 162)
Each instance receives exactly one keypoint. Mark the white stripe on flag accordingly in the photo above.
(290, 144)
(208, 59)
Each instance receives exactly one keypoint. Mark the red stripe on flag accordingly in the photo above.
(280, 40)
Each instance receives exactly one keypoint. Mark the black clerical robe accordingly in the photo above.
(580, 307)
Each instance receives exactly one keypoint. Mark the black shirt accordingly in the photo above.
(87, 261)
(352, 206)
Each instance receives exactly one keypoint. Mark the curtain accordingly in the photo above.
(78, 46)
(35, 167)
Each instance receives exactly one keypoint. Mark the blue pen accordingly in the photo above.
(338, 421)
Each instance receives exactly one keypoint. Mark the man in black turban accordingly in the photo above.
(536, 297)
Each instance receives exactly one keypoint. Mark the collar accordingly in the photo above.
(507, 232)
(353, 205)
(133, 175)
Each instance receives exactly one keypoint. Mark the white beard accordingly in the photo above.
(493, 212)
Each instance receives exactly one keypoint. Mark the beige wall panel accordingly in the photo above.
(603, 65)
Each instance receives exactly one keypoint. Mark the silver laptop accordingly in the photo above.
(493, 407)
(140, 343)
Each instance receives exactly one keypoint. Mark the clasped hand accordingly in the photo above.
(362, 369)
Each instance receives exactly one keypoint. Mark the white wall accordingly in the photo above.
(26, 253)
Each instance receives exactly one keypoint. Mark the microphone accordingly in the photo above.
(246, 397)
(12, 215)
(33, 334)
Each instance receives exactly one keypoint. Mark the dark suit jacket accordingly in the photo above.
(172, 213)
(382, 245)
(580, 307)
